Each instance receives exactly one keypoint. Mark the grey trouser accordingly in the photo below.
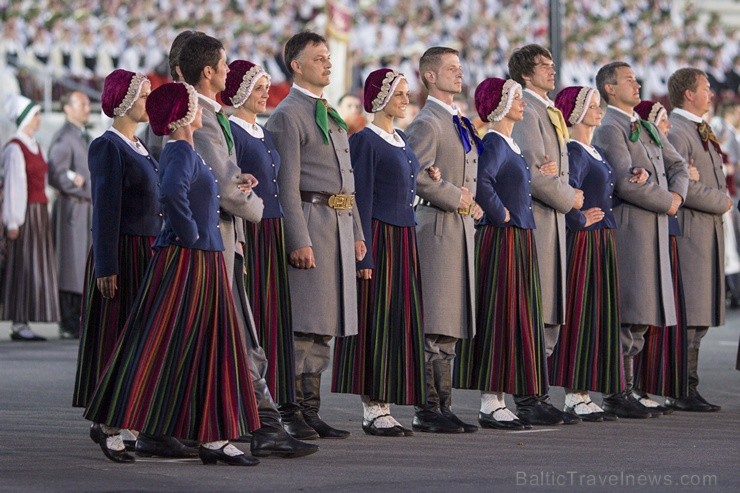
(312, 352)
(439, 347)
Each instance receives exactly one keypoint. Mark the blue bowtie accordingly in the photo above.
(465, 130)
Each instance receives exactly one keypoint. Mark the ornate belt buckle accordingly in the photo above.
(341, 202)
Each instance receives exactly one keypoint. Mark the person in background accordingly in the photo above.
(30, 287)
(72, 212)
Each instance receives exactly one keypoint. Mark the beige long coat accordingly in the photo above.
(553, 197)
(701, 246)
(445, 239)
(645, 285)
(324, 299)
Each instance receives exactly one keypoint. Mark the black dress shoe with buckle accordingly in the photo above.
(160, 446)
(368, 426)
(655, 411)
(592, 417)
(268, 441)
(690, 404)
(101, 438)
(567, 418)
(623, 405)
(25, 334)
(431, 421)
(487, 420)
(210, 456)
(538, 414)
(467, 427)
(322, 428)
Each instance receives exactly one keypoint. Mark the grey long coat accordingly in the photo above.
(210, 143)
(553, 197)
(445, 239)
(645, 285)
(324, 299)
(701, 248)
(72, 212)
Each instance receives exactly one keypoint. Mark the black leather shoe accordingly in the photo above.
(370, 429)
(406, 432)
(148, 446)
(690, 404)
(567, 418)
(101, 438)
(431, 421)
(715, 407)
(322, 428)
(467, 428)
(538, 414)
(210, 456)
(622, 406)
(590, 417)
(655, 411)
(276, 441)
(488, 421)
(296, 426)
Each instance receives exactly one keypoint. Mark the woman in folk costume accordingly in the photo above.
(266, 276)
(588, 357)
(384, 362)
(661, 367)
(507, 353)
(30, 279)
(126, 219)
(180, 368)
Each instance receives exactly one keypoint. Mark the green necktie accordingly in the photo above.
(322, 114)
(635, 131)
(223, 121)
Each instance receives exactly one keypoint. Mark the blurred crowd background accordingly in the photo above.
(51, 46)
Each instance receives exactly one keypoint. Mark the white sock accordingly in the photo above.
(491, 401)
(114, 442)
(646, 401)
(572, 399)
(387, 410)
(591, 405)
(109, 430)
(131, 435)
(215, 445)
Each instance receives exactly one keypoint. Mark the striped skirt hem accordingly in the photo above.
(507, 353)
(661, 367)
(266, 282)
(180, 367)
(103, 319)
(588, 353)
(385, 360)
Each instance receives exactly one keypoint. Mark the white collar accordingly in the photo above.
(139, 149)
(546, 101)
(28, 141)
(210, 102)
(509, 140)
(688, 115)
(252, 129)
(306, 91)
(590, 149)
(452, 110)
(393, 139)
(633, 117)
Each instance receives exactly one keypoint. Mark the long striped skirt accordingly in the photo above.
(103, 319)
(661, 367)
(266, 281)
(385, 360)
(588, 354)
(507, 353)
(180, 367)
(30, 286)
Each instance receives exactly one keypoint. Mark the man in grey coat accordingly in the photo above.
(323, 235)
(440, 136)
(542, 136)
(701, 246)
(72, 213)
(203, 65)
(645, 284)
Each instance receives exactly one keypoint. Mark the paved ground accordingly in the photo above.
(44, 444)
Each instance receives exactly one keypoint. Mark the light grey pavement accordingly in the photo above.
(44, 443)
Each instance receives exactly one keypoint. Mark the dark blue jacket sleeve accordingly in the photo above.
(574, 219)
(488, 166)
(177, 172)
(363, 164)
(106, 179)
